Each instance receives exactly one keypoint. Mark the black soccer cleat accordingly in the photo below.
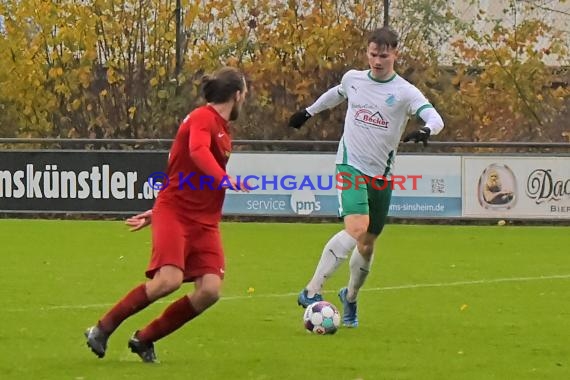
(143, 349)
(97, 341)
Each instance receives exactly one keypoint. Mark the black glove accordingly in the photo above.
(421, 134)
(299, 118)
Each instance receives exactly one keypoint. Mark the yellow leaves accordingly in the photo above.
(51, 103)
(456, 80)
(55, 72)
(90, 55)
(469, 54)
(132, 110)
(359, 10)
(205, 17)
(112, 76)
(192, 11)
(302, 87)
(295, 50)
(561, 93)
(84, 78)
(75, 104)
(169, 36)
(61, 89)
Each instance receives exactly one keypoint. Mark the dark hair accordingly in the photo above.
(384, 36)
(220, 86)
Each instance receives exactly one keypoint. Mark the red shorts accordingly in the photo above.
(195, 248)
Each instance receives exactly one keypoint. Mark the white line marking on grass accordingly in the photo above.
(380, 289)
(418, 286)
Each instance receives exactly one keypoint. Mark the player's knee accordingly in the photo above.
(356, 225)
(168, 285)
(356, 230)
(366, 250)
(210, 294)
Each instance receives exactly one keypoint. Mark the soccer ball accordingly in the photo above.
(321, 318)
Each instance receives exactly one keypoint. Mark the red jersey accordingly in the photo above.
(197, 166)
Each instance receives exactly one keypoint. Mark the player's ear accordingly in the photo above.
(240, 95)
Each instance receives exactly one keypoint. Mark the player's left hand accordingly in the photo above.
(421, 134)
(238, 186)
(139, 221)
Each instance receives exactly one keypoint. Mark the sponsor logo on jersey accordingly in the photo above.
(371, 119)
(362, 105)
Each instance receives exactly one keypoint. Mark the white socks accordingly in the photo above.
(359, 269)
(334, 254)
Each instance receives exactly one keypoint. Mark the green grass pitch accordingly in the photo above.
(441, 302)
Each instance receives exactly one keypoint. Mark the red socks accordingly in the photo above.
(174, 317)
(132, 303)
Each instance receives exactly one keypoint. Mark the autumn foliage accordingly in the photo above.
(106, 68)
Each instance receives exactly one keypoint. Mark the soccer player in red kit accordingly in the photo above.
(186, 244)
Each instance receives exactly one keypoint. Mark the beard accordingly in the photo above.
(234, 113)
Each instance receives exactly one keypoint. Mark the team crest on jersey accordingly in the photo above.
(371, 119)
(391, 100)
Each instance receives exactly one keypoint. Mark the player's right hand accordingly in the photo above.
(299, 118)
(139, 221)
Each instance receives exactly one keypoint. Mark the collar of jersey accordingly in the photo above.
(215, 112)
(381, 81)
(225, 123)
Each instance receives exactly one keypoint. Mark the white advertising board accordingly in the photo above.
(305, 184)
(516, 187)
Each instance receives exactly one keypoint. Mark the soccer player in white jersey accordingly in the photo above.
(380, 103)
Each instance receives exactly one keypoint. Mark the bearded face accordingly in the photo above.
(238, 102)
(234, 113)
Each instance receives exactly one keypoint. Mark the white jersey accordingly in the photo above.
(377, 115)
